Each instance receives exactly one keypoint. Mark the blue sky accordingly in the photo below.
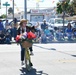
(30, 4)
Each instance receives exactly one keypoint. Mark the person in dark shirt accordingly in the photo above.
(9, 30)
(2, 37)
(7, 38)
(21, 30)
(6, 24)
(1, 26)
(44, 25)
(68, 31)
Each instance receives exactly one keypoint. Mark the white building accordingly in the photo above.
(39, 15)
(36, 14)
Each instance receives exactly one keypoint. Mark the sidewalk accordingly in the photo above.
(54, 41)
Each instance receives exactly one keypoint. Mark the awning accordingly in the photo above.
(71, 18)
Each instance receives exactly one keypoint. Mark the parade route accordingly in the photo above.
(48, 59)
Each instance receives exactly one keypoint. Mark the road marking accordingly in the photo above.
(66, 60)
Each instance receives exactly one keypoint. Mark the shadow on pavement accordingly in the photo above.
(45, 48)
(55, 50)
(66, 53)
(31, 72)
(73, 55)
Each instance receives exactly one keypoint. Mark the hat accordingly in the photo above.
(24, 20)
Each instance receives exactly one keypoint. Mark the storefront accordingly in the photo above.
(40, 14)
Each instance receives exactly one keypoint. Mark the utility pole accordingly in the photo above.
(25, 9)
(6, 4)
(0, 4)
(13, 9)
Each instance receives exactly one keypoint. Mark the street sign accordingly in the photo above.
(6, 4)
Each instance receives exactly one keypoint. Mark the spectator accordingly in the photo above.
(59, 35)
(48, 34)
(74, 30)
(47, 31)
(1, 26)
(15, 20)
(6, 24)
(68, 31)
(43, 25)
(9, 30)
(14, 32)
(7, 38)
(2, 37)
(43, 38)
(14, 27)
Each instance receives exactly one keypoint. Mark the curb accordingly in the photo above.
(52, 42)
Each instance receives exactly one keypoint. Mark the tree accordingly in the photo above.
(59, 8)
(10, 10)
(71, 10)
(62, 6)
(73, 5)
(3, 16)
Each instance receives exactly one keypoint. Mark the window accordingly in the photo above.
(36, 18)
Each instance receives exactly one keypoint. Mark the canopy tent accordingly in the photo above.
(71, 18)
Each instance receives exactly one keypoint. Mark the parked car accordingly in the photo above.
(73, 23)
(4, 21)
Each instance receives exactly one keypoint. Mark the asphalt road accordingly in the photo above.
(48, 59)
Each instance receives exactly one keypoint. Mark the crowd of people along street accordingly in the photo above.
(44, 35)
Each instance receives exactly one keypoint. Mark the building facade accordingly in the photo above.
(36, 14)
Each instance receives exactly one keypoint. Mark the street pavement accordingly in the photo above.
(48, 59)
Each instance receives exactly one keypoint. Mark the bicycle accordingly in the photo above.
(28, 63)
(26, 40)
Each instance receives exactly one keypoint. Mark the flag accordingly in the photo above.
(53, 1)
(37, 0)
(42, 0)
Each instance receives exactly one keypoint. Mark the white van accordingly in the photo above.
(57, 22)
